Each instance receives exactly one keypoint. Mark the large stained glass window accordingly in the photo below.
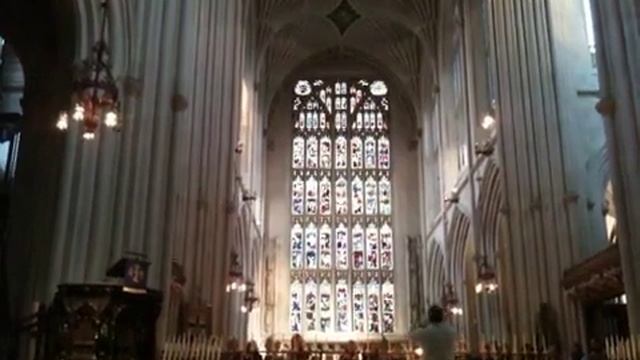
(341, 246)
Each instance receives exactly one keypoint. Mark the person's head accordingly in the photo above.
(351, 347)
(268, 344)
(297, 343)
(277, 346)
(252, 347)
(384, 345)
(233, 344)
(436, 314)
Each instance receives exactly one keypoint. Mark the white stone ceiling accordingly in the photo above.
(398, 34)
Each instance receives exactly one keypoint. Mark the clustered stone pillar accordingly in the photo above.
(162, 186)
(618, 47)
(537, 208)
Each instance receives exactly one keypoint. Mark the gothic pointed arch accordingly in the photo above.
(436, 272)
(489, 203)
(458, 238)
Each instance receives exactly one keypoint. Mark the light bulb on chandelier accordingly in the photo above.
(63, 121)
(111, 119)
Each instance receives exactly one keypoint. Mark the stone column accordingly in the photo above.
(540, 240)
(618, 46)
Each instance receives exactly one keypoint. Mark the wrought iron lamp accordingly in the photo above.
(250, 299)
(487, 280)
(450, 300)
(235, 282)
(95, 93)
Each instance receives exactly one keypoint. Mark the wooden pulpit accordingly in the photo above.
(102, 321)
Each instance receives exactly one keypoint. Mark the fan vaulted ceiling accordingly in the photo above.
(398, 34)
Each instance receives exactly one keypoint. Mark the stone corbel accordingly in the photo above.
(570, 198)
(606, 107)
(178, 103)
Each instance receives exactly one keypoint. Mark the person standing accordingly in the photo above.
(438, 338)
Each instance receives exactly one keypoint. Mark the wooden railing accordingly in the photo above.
(189, 347)
(623, 349)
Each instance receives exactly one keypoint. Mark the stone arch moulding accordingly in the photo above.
(456, 248)
(490, 202)
(436, 272)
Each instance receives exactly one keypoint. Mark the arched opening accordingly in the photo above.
(339, 268)
(12, 83)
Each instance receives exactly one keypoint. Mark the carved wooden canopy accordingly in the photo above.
(597, 278)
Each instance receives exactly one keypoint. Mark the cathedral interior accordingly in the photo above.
(256, 169)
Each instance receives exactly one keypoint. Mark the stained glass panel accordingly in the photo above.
(356, 153)
(370, 152)
(341, 152)
(325, 153)
(325, 306)
(341, 238)
(342, 247)
(386, 239)
(342, 205)
(297, 196)
(388, 307)
(342, 306)
(310, 305)
(372, 247)
(373, 306)
(371, 192)
(357, 243)
(325, 196)
(312, 196)
(357, 196)
(325, 247)
(359, 306)
(295, 315)
(384, 153)
(296, 246)
(312, 152)
(298, 152)
(385, 196)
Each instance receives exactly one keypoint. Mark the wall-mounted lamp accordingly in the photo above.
(487, 279)
(250, 299)
(489, 119)
(450, 300)
(488, 122)
(452, 197)
(485, 148)
(235, 281)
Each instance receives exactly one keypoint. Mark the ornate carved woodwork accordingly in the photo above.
(597, 278)
(102, 322)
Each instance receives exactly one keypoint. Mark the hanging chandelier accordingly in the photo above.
(95, 93)
(450, 300)
(487, 280)
(236, 279)
(250, 298)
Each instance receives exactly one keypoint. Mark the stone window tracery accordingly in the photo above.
(341, 246)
